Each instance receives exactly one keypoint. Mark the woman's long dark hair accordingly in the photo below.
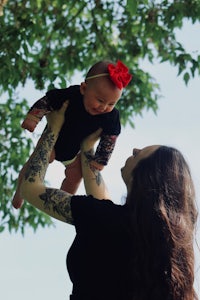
(163, 217)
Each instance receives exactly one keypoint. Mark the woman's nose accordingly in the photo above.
(135, 151)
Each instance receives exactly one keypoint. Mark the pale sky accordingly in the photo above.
(34, 267)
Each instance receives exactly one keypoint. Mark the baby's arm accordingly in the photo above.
(53, 100)
(36, 113)
(104, 151)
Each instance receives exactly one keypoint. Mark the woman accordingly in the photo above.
(140, 250)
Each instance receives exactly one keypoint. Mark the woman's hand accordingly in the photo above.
(55, 119)
(89, 142)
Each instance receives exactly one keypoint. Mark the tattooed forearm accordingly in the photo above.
(39, 162)
(89, 158)
(59, 202)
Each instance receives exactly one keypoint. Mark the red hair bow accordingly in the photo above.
(119, 74)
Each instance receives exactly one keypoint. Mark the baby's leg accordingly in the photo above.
(73, 176)
(52, 156)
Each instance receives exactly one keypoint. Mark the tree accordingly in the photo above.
(48, 41)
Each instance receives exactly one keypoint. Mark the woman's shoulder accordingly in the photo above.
(92, 201)
(97, 210)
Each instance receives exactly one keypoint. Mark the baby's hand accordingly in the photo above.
(29, 124)
(55, 119)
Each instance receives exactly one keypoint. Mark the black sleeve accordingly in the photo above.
(111, 123)
(57, 97)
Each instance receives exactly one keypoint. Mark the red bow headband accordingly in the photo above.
(118, 74)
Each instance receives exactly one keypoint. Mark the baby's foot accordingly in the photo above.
(17, 201)
(29, 124)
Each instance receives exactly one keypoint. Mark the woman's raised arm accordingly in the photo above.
(54, 202)
(93, 180)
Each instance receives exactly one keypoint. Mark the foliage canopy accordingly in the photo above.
(48, 41)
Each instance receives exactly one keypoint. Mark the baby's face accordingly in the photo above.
(100, 95)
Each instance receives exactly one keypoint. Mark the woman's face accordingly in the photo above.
(132, 161)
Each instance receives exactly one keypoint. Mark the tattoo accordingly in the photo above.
(59, 202)
(97, 175)
(105, 148)
(89, 155)
(89, 158)
(39, 162)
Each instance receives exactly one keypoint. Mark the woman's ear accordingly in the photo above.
(83, 87)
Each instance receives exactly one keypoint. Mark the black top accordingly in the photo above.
(99, 259)
(79, 123)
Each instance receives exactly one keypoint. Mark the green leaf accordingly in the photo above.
(186, 77)
(132, 6)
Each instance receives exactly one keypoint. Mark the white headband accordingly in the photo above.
(98, 75)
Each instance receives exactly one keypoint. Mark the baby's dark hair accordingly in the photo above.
(99, 68)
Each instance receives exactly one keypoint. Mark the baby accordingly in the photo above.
(91, 106)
